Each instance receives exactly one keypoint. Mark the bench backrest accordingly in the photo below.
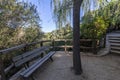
(27, 56)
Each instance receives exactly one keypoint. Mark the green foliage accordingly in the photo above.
(31, 33)
(110, 12)
(19, 23)
(62, 33)
(94, 28)
(95, 23)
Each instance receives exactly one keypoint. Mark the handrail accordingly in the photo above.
(24, 46)
(5, 51)
(12, 48)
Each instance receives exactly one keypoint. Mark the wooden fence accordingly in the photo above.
(24, 47)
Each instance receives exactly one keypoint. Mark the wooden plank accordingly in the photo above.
(26, 59)
(84, 40)
(27, 54)
(32, 54)
(84, 47)
(8, 68)
(62, 40)
(36, 65)
(14, 59)
(16, 76)
(11, 49)
(5, 51)
(63, 46)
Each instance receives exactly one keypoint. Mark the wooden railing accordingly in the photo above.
(19, 47)
(40, 43)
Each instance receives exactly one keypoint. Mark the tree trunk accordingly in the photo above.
(76, 37)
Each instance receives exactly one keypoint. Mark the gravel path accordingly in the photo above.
(94, 68)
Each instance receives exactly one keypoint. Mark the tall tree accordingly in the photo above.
(62, 14)
(63, 8)
(76, 37)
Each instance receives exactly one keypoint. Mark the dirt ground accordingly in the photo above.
(94, 68)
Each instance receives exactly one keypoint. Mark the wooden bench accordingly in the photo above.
(24, 59)
(28, 72)
(28, 56)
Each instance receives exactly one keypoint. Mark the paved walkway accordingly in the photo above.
(59, 69)
(94, 68)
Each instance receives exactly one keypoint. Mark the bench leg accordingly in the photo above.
(51, 58)
(42, 55)
(29, 78)
(26, 65)
(22, 78)
(32, 78)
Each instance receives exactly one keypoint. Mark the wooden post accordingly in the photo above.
(94, 46)
(41, 43)
(53, 44)
(2, 73)
(25, 48)
(104, 45)
(65, 47)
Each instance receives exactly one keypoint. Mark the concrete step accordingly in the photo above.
(114, 51)
(114, 44)
(115, 48)
(114, 38)
(114, 41)
(117, 31)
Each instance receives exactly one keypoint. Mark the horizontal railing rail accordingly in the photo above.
(41, 43)
(5, 51)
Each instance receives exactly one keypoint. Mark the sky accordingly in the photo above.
(45, 13)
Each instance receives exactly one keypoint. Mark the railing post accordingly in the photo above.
(25, 48)
(53, 44)
(41, 43)
(104, 45)
(94, 46)
(2, 73)
(65, 46)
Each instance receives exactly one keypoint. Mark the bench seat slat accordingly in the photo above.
(17, 58)
(36, 65)
(9, 68)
